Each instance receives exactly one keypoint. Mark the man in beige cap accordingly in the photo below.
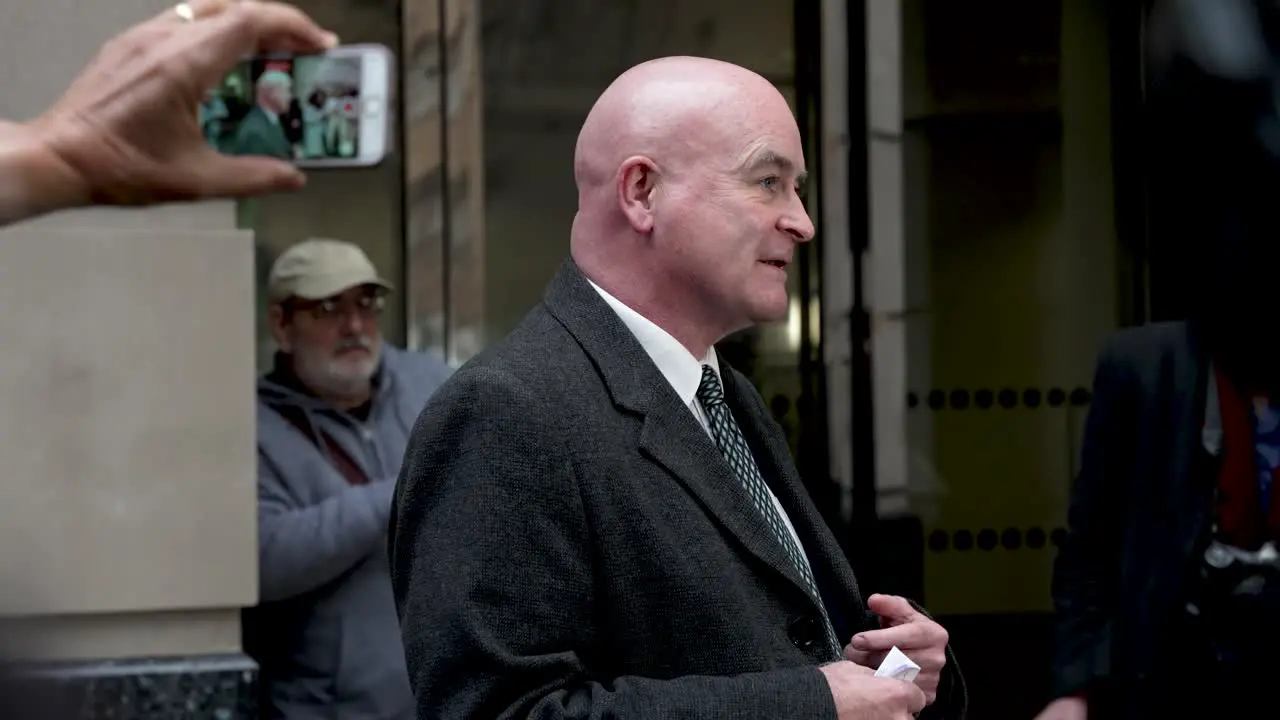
(334, 415)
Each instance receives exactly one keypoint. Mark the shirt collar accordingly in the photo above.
(674, 360)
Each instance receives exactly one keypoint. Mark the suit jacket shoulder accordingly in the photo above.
(1147, 353)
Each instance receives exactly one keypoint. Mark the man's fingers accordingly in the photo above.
(893, 608)
(916, 699)
(222, 176)
(863, 658)
(905, 637)
(200, 10)
(211, 47)
(242, 27)
(276, 27)
(201, 53)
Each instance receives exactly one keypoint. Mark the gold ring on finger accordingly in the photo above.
(201, 9)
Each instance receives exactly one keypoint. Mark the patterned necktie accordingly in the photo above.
(733, 446)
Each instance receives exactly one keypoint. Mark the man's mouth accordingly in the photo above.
(780, 264)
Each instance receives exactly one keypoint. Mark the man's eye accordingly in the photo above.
(770, 182)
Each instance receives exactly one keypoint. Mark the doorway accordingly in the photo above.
(1005, 241)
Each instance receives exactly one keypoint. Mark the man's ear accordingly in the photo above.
(278, 321)
(637, 180)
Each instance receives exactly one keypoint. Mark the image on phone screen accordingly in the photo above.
(308, 109)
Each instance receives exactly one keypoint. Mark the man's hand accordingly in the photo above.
(860, 695)
(126, 132)
(918, 637)
(1068, 708)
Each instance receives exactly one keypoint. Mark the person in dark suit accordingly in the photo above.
(261, 130)
(1167, 584)
(1168, 600)
(597, 517)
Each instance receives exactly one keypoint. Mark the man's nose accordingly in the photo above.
(353, 321)
(796, 223)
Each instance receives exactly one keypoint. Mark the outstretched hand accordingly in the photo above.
(127, 133)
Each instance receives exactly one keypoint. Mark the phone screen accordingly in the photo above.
(304, 108)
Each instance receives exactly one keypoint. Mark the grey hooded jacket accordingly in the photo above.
(325, 633)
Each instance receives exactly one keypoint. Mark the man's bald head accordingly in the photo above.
(688, 173)
(274, 90)
(670, 108)
(275, 78)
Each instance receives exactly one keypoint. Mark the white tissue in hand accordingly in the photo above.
(897, 665)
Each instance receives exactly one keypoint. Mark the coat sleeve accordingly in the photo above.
(1086, 571)
(493, 570)
(301, 549)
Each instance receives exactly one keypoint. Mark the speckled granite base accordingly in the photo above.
(197, 688)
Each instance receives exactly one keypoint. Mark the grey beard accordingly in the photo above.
(341, 384)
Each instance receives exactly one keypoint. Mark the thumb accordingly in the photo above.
(892, 607)
(916, 699)
(222, 176)
(862, 658)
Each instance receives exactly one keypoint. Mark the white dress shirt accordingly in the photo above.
(681, 369)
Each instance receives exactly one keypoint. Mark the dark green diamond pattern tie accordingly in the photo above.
(733, 446)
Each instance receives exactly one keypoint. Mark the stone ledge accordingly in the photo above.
(221, 687)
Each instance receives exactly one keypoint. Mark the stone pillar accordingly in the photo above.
(127, 510)
(896, 266)
(837, 255)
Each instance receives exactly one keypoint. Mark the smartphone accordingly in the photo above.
(327, 110)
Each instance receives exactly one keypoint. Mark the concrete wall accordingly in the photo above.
(127, 505)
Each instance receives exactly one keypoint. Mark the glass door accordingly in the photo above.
(995, 266)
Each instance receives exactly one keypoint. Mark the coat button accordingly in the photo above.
(804, 632)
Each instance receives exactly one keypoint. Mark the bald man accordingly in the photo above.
(259, 131)
(598, 518)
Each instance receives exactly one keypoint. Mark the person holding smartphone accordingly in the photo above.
(127, 132)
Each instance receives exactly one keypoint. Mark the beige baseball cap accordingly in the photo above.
(320, 268)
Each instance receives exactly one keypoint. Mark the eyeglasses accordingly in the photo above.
(331, 309)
